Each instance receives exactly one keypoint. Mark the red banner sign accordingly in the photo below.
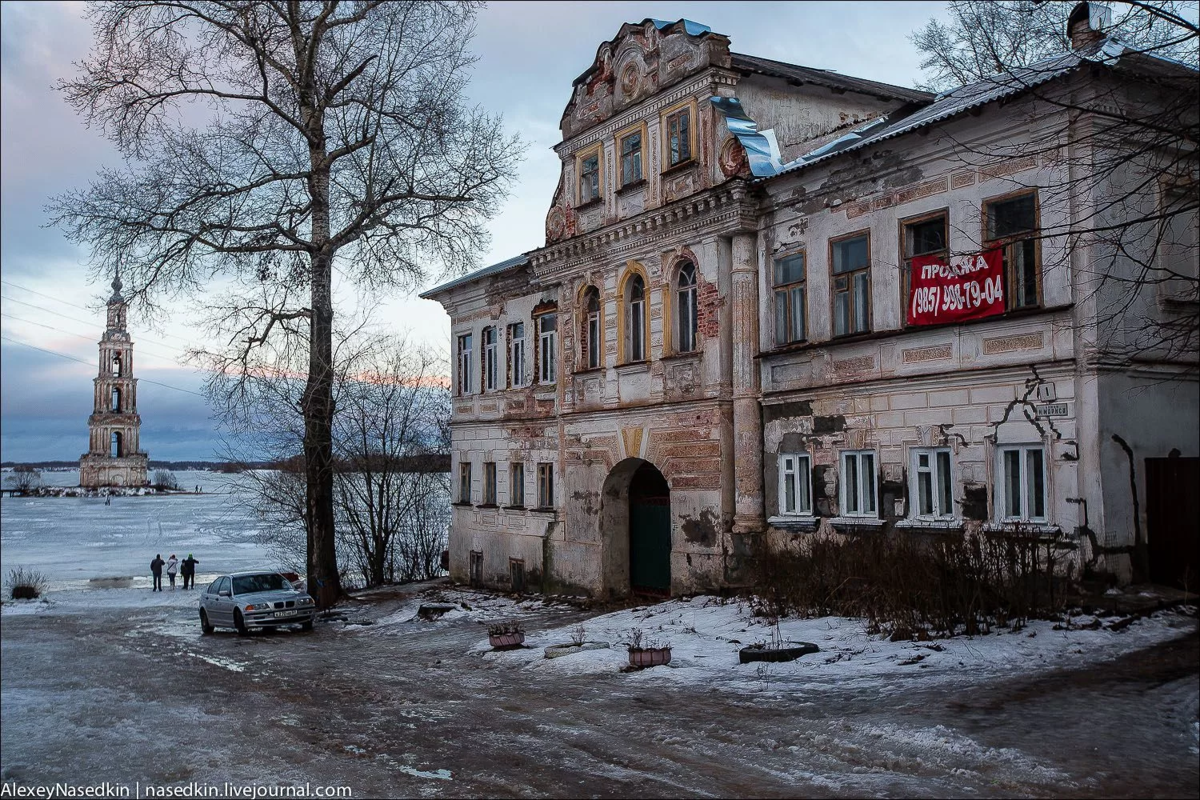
(966, 287)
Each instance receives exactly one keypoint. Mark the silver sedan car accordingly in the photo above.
(245, 600)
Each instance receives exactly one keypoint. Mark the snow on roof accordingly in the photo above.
(494, 269)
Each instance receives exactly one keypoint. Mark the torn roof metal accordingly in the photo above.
(824, 77)
(494, 269)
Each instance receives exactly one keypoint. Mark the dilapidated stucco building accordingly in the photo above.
(720, 344)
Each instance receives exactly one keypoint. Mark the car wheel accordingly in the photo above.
(306, 626)
(239, 622)
(204, 626)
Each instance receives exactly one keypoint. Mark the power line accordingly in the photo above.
(79, 335)
(176, 351)
(67, 303)
(90, 364)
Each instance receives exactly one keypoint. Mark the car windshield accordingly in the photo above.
(266, 582)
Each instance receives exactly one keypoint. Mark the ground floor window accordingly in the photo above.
(795, 484)
(932, 483)
(489, 483)
(516, 572)
(475, 574)
(1021, 488)
(858, 483)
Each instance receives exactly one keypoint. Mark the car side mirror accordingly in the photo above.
(223, 593)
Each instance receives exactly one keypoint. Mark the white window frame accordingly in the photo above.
(863, 494)
(1001, 483)
(795, 470)
(688, 328)
(465, 352)
(938, 483)
(490, 364)
(516, 348)
(547, 349)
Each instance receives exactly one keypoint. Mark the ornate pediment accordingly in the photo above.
(640, 61)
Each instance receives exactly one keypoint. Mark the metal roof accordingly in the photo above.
(494, 269)
(825, 77)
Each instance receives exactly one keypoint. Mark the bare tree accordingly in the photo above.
(269, 145)
(24, 479)
(1113, 132)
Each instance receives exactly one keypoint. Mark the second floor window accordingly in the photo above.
(547, 347)
(516, 354)
(932, 486)
(631, 159)
(464, 482)
(635, 319)
(795, 484)
(858, 483)
(593, 328)
(589, 178)
(489, 483)
(851, 285)
(685, 295)
(490, 362)
(516, 484)
(923, 237)
(1013, 225)
(790, 296)
(464, 364)
(679, 137)
(545, 476)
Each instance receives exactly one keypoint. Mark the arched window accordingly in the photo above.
(685, 317)
(635, 319)
(116, 365)
(116, 399)
(590, 340)
(116, 445)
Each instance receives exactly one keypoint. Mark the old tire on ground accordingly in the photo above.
(239, 622)
(204, 626)
(776, 655)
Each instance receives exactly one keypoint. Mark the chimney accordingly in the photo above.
(1085, 26)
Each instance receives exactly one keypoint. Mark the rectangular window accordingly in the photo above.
(790, 299)
(475, 576)
(589, 178)
(932, 484)
(1012, 224)
(464, 482)
(490, 365)
(594, 333)
(1179, 244)
(795, 484)
(679, 137)
(516, 485)
(923, 237)
(516, 573)
(545, 477)
(547, 347)
(637, 329)
(851, 266)
(516, 354)
(858, 483)
(631, 158)
(1022, 486)
(489, 483)
(464, 364)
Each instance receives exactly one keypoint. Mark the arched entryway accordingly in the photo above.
(635, 525)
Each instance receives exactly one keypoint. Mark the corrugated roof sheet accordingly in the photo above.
(494, 269)
(825, 77)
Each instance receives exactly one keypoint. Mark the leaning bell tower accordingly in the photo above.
(113, 457)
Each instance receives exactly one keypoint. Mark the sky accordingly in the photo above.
(529, 53)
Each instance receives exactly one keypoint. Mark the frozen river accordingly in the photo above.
(74, 540)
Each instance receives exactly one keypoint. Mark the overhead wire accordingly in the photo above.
(92, 364)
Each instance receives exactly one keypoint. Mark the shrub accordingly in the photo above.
(909, 586)
(165, 479)
(25, 584)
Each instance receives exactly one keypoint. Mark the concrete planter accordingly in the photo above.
(643, 657)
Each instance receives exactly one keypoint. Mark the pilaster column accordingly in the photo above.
(747, 412)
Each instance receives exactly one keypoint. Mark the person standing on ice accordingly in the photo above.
(156, 570)
(187, 568)
(172, 568)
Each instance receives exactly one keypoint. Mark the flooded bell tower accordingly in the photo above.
(113, 457)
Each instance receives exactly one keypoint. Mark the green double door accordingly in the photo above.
(650, 533)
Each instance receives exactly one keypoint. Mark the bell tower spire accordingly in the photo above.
(114, 457)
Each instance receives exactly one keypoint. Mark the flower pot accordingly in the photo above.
(649, 657)
(789, 652)
(506, 641)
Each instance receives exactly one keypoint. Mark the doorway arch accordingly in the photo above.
(635, 524)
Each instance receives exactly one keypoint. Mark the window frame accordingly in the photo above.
(1000, 485)
(936, 489)
(465, 363)
(624, 305)
(799, 480)
(635, 130)
(545, 484)
(852, 291)
(787, 288)
(591, 339)
(1008, 242)
(464, 482)
(683, 307)
(906, 260)
(1175, 287)
(547, 352)
(516, 356)
(596, 150)
(860, 495)
(516, 484)
(688, 107)
(490, 366)
(489, 483)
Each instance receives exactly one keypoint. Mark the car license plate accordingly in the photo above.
(284, 613)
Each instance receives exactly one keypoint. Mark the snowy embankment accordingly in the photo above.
(706, 633)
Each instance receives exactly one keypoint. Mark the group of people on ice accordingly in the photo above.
(185, 568)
